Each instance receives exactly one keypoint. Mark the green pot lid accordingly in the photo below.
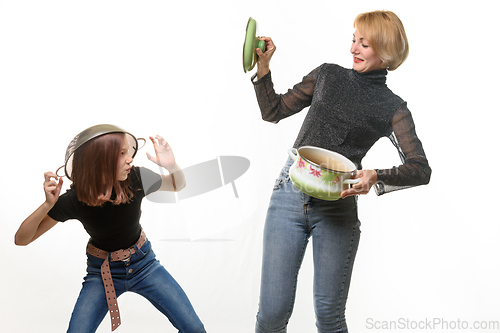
(251, 43)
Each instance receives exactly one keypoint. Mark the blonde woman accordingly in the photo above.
(349, 110)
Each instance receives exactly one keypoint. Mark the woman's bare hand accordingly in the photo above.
(368, 179)
(265, 57)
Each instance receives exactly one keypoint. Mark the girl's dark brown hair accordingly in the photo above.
(94, 172)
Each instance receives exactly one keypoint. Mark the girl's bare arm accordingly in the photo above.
(39, 222)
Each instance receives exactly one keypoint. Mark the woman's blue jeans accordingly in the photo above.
(292, 218)
(142, 274)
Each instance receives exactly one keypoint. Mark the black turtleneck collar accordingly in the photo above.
(378, 76)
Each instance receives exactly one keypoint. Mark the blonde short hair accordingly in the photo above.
(386, 35)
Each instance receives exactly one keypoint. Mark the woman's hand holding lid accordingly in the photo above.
(265, 57)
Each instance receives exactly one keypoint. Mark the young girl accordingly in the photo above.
(106, 196)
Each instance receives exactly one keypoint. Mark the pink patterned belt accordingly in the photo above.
(107, 280)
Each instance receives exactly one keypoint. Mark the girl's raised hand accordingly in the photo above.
(164, 154)
(52, 187)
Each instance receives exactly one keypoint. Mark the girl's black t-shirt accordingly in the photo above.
(111, 227)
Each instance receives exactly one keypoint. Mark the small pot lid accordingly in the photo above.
(92, 133)
(251, 43)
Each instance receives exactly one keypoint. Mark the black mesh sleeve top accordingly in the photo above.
(348, 112)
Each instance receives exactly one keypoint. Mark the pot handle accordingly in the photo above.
(57, 171)
(352, 181)
(292, 152)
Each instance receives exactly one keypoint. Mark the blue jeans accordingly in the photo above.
(142, 274)
(292, 218)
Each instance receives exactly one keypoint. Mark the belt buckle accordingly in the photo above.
(131, 251)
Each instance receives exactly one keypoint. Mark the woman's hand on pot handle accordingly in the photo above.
(368, 179)
(265, 57)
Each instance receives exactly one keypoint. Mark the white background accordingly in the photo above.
(174, 68)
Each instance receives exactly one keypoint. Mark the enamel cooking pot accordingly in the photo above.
(92, 133)
(321, 173)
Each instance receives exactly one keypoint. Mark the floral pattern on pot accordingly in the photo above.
(331, 178)
(315, 172)
(301, 164)
(326, 177)
(312, 178)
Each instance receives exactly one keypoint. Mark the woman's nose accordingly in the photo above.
(353, 48)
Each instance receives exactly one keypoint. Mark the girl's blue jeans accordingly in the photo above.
(142, 274)
(292, 218)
